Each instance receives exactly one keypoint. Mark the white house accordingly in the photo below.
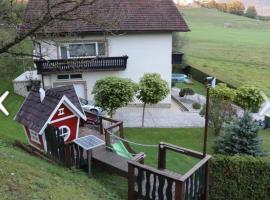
(79, 53)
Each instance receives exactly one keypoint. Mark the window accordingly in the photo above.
(65, 76)
(75, 76)
(82, 50)
(69, 76)
(34, 136)
(64, 132)
(61, 111)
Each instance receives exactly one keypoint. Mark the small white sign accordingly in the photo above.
(2, 98)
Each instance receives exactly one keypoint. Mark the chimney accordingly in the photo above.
(41, 94)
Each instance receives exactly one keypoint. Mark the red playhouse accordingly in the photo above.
(58, 106)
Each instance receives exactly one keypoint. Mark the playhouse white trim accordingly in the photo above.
(64, 100)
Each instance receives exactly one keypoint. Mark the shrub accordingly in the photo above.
(152, 89)
(238, 177)
(220, 112)
(196, 106)
(240, 138)
(111, 93)
(222, 92)
(251, 12)
(249, 98)
(186, 91)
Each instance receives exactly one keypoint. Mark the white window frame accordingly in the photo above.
(34, 136)
(67, 135)
(83, 43)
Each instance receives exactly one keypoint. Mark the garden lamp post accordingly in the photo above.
(208, 84)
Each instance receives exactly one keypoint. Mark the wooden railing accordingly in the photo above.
(114, 124)
(81, 64)
(150, 183)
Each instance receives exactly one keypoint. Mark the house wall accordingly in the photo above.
(147, 53)
(65, 117)
(38, 145)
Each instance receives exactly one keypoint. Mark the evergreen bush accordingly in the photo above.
(240, 138)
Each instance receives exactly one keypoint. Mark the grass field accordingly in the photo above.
(237, 55)
(23, 176)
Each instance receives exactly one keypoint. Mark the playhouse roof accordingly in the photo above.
(34, 114)
(121, 15)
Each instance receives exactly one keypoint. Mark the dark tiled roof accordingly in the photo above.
(35, 113)
(114, 15)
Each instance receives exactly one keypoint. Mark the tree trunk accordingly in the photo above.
(143, 114)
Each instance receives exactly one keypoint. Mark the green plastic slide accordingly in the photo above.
(120, 149)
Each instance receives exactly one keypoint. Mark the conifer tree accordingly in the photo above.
(240, 138)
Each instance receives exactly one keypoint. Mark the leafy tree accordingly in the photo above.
(251, 12)
(220, 112)
(240, 137)
(152, 89)
(249, 98)
(111, 93)
(236, 7)
(222, 92)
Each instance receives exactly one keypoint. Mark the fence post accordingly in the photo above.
(67, 155)
(121, 130)
(161, 156)
(205, 196)
(179, 190)
(100, 125)
(131, 183)
(107, 139)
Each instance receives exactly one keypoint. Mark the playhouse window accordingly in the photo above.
(34, 136)
(64, 132)
(61, 111)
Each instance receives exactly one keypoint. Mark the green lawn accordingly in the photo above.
(186, 137)
(238, 55)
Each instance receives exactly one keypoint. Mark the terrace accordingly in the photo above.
(81, 64)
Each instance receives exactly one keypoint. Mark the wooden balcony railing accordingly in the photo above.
(81, 64)
(150, 183)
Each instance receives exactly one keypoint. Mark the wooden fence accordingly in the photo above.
(150, 183)
(65, 154)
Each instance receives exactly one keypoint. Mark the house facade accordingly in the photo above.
(59, 107)
(81, 53)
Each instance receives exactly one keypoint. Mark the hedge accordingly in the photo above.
(235, 178)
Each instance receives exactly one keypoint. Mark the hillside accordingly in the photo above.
(237, 55)
(24, 177)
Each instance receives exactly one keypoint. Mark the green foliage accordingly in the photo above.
(237, 56)
(251, 12)
(196, 106)
(111, 93)
(220, 112)
(152, 88)
(240, 138)
(186, 91)
(238, 178)
(222, 92)
(249, 98)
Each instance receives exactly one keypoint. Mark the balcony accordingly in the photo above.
(81, 64)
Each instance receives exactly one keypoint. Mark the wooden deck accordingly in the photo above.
(104, 158)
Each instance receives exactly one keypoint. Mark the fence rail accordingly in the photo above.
(81, 64)
(150, 183)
